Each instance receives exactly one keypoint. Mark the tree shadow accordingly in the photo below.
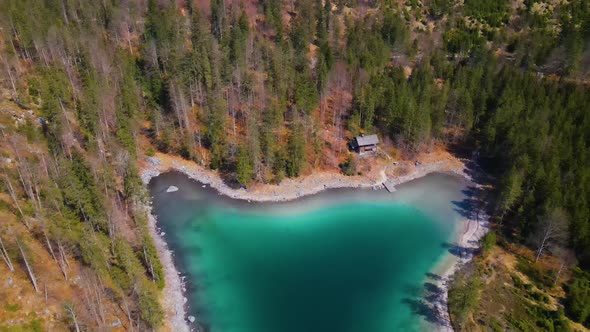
(433, 276)
(426, 305)
(459, 251)
(471, 207)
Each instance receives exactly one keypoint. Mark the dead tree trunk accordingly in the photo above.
(128, 312)
(5, 256)
(62, 253)
(551, 231)
(12, 194)
(49, 247)
(70, 309)
(15, 94)
(90, 304)
(59, 262)
(28, 266)
(561, 266)
(97, 293)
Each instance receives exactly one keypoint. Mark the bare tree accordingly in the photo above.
(93, 291)
(12, 194)
(128, 312)
(567, 259)
(5, 256)
(9, 72)
(551, 231)
(72, 313)
(28, 266)
(64, 258)
(59, 262)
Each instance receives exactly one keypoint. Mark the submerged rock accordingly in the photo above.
(171, 189)
(191, 319)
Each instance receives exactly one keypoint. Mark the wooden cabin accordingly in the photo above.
(365, 143)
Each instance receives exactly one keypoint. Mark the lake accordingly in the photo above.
(342, 260)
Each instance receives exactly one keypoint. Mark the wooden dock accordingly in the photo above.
(390, 186)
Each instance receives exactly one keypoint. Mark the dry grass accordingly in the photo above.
(510, 291)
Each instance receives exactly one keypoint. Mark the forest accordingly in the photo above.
(263, 90)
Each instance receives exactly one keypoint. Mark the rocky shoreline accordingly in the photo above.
(468, 242)
(174, 300)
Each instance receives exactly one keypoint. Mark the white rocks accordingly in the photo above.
(191, 319)
(173, 298)
(153, 161)
(171, 189)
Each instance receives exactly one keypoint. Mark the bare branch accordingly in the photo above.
(28, 266)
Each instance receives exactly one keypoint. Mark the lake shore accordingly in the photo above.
(467, 243)
(173, 299)
(174, 302)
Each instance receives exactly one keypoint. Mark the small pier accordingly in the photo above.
(389, 186)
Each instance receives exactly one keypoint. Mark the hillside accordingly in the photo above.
(261, 91)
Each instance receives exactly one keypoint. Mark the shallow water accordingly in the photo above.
(338, 261)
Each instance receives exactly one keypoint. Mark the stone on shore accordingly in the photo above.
(191, 319)
(154, 161)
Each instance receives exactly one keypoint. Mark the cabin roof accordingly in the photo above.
(367, 140)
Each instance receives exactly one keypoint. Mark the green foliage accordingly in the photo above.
(510, 191)
(366, 49)
(12, 307)
(440, 7)
(94, 249)
(126, 258)
(496, 325)
(539, 318)
(132, 183)
(349, 166)
(34, 325)
(463, 297)
(296, 151)
(238, 37)
(150, 152)
(127, 112)
(462, 39)
(29, 130)
(542, 279)
(149, 306)
(393, 29)
(151, 260)
(305, 96)
(488, 242)
(80, 192)
(577, 303)
(493, 12)
(244, 167)
(99, 88)
(409, 109)
(216, 137)
(273, 13)
(89, 106)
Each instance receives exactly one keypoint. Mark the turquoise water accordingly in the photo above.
(337, 262)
